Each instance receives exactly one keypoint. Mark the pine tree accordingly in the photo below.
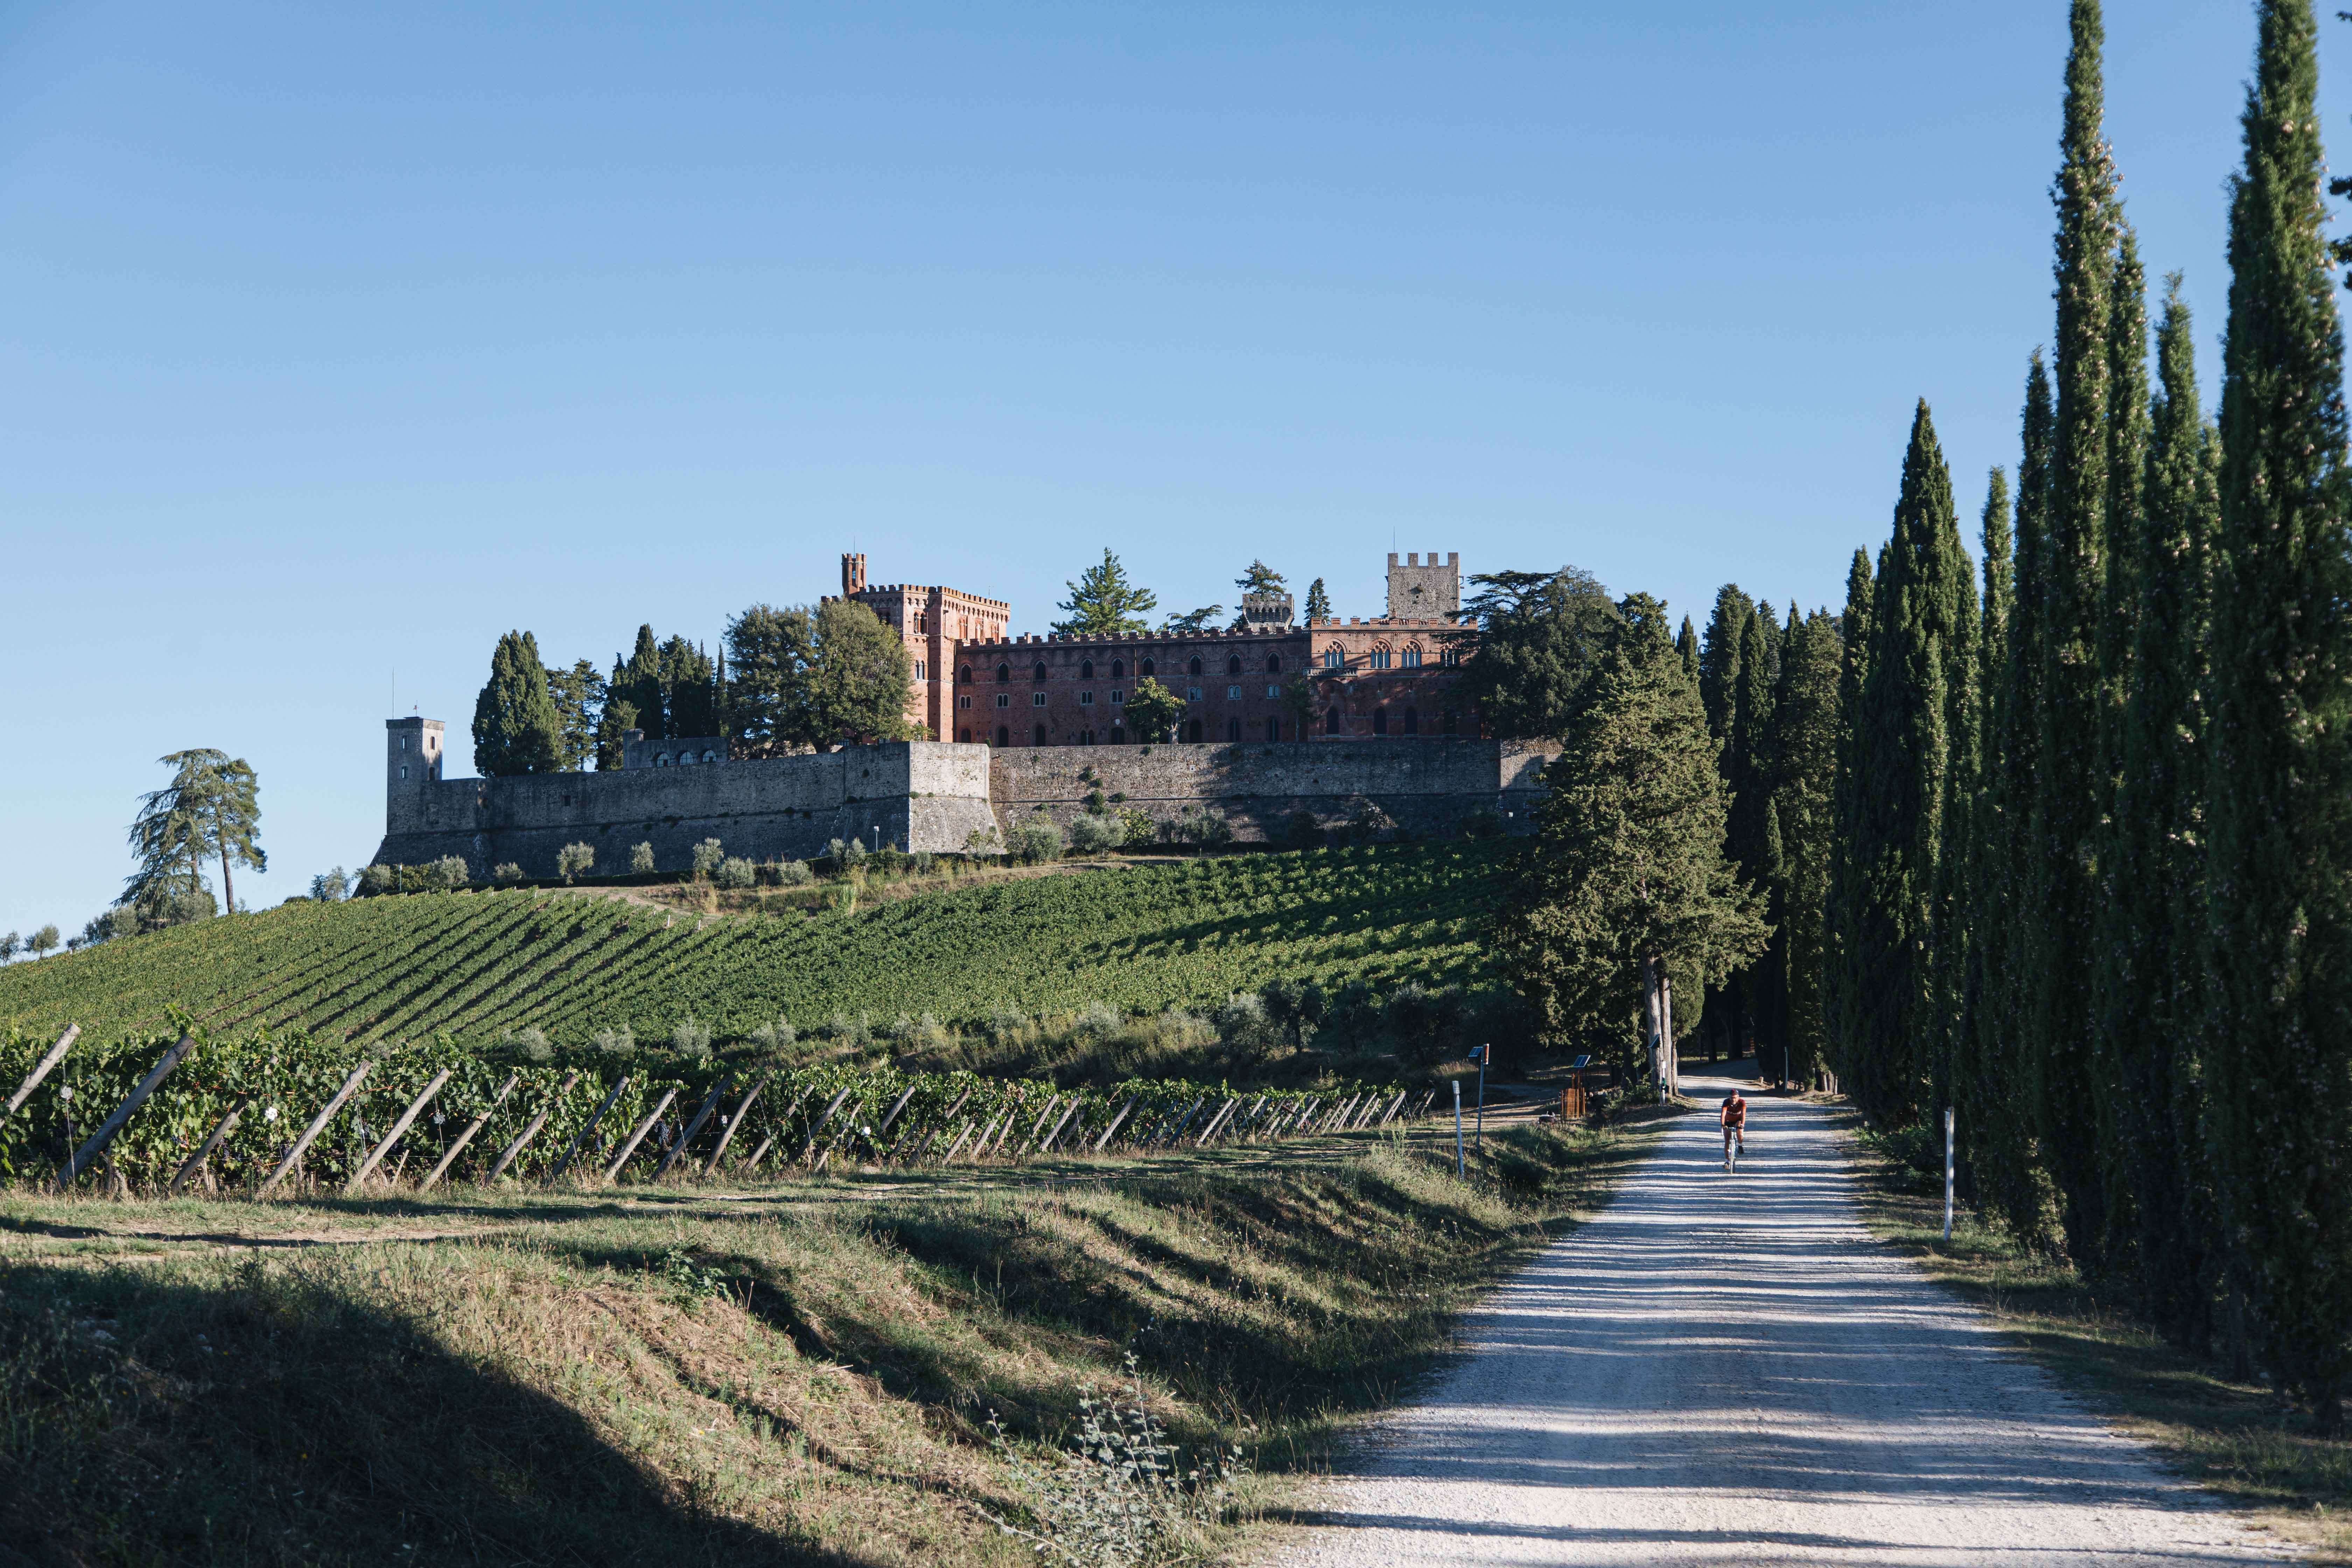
(2005, 1163)
(1805, 730)
(2279, 802)
(516, 727)
(2150, 1006)
(1626, 874)
(1319, 602)
(1923, 613)
(768, 695)
(1104, 604)
(579, 696)
(2120, 1098)
(1718, 657)
(859, 676)
(1536, 636)
(1842, 975)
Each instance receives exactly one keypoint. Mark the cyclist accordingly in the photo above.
(1735, 1124)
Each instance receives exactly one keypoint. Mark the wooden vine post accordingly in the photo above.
(221, 1130)
(506, 1155)
(41, 1069)
(442, 1165)
(726, 1134)
(638, 1136)
(580, 1137)
(317, 1125)
(79, 1160)
(1102, 1141)
(399, 1131)
(709, 1104)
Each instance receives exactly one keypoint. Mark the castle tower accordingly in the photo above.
(853, 575)
(412, 766)
(1266, 611)
(1419, 590)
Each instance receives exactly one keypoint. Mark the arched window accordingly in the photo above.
(685, 758)
(1041, 734)
(710, 756)
(1085, 737)
(964, 675)
(964, 735)
(1004, 735)
(1274, 729)
(661, 759)
(1004, 673)
(1233, 729)
(1118, 669)
(1333, 658)
(1085, 669)
(1192, 731)
(1119, 734)
(1380, 721)
(1332, 722)
(1274, 664)
(1380, 659)
(1234, 665)
(1412, 722)
(1449, 655)
(1196, 666)
(1145, 667)
(1412, 659)
(1039, 674)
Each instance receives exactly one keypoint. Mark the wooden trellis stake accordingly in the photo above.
(1115, 1122)
(80, 1159)
(317, 1125)
(196, 1161)
(399, 1131)
(726, 1134)
(1075, 1103)
(810, 1148)
(506, 1155)
(752, 1163)
(709, 1104)
(1389, 1115)
(1038, 1126)
(948, 1158)
(580, 1138)
(1216, 1122)
(614, 1170)
(49, 1058)
(897, 1106)
(441, 1166)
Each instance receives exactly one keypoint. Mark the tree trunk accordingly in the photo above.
(228, 889)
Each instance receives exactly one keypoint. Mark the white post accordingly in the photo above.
(1459, 1169)
(1484, 1052)
(1948, 1173)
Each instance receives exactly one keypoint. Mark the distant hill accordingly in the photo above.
(1133, 937)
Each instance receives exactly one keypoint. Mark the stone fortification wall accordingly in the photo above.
(1429, 786)
(917, 795)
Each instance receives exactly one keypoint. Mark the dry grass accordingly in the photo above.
(2238, 1439)
(800, 1374)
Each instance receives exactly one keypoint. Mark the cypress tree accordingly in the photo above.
(1950, 932)
(1843, 974)
(516, 727)
(1687, 645)
(2061, 896)
(1923, 615)
(1974, 1088)
(2150, 1008)
(1805, 739)
(2279, 802)
(1748, 770)
(639, 684)
(1718, 657)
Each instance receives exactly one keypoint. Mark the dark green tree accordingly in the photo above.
(1536, 638)
(1752, 836)
(210, 810)
(1625, 877)
(770, 653)
(579, 697)
(1977, 1090)
(1687, 645)
(1319, 602)
(689, 689)
(1842, 976)
(639, 684)
(517, 729)
(2067, 799)
(858, 678)
(615, 720)
(1104, 604)
(1718, 655)
(1259, 578)
(1923, 627)
(2279, 791)
(1192, 623)
(1805, 748)
(1153, 709)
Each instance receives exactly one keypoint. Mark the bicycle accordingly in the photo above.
(1734, 1146)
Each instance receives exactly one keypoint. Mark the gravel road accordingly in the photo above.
(1728, 1369)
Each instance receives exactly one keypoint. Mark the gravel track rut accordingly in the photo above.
(1728, 1369)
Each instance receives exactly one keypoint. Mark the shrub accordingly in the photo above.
(795, 874)
(1136, 828)
(1207, 829)
(617, 1042)
(1246, 1030)
(506, 873)
(1299, 830)
(707, 856)
(922, 861)
(446, 875)
(736, 872)
(1294, 1006)
(855, 856)
(329, 886)
(887, 860)
(641, 860)
(690, 1038)
(1034, 841)
(774, 1036)
(981, 842)
(1091, 835)
(378, 878)
(1094, 802)
(528, 1043)
(574, 859)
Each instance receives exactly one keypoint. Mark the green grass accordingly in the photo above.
(2237, 1438)
(1135, 937)
(795, 1374)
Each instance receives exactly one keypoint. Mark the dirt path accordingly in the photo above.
(1728, 1369)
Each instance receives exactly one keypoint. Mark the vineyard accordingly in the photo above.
(1134, 938)
(256, 1113)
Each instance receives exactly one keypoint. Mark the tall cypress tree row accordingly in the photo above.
(2149, 1021)
(1748, 769)
(1805, 739)
(2279, 803)
(1974, 1089)
(2119, 1085)
(1951, 939)
(1923, 616)
(2067, 797)
(516, 727)
(1843, 974)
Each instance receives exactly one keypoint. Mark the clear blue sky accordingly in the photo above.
(340, 340)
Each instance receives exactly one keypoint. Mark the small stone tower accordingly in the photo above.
(853, 575)
(1422, 589)
(1266, 611)
(411, 765)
